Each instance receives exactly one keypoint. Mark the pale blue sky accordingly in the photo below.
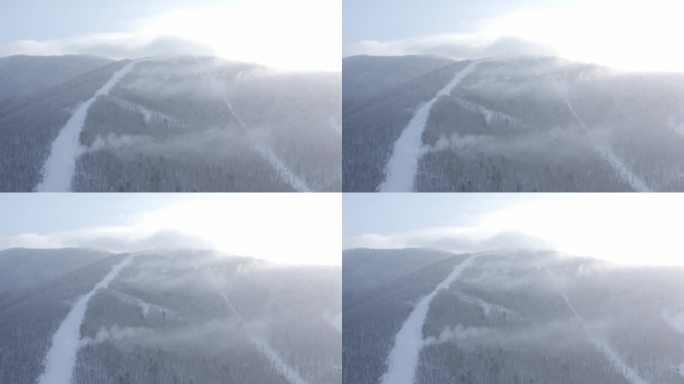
(630, 228)
(291, 35)
(388, 213)
(57, 212)
(289, 228)
(400, 19)
(632, 35)
(50, 19)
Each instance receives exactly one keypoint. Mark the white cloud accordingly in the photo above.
(292, 35)
(284, 228)
(633, 35)
(453, 239)
(456, 46)
(113, 46)
(620, 228)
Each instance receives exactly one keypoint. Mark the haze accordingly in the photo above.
(282, 228)
(295, 35)
(627, 35)
(621, 228)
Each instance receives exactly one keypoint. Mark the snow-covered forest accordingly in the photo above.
(509, 317)
(174, 124)
(166, 317)
(518, 124)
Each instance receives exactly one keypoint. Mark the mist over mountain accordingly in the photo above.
(181, 316)
(183, 123)
(509, 317)
(509, 124)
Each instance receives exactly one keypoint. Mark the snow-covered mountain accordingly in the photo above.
(166, 124)
(509, 317)
(519, 124)
(84, 316)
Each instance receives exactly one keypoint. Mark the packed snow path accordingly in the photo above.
(633, 180)
(61, 163)
(61, 357)
(267, 153)
(403, 164)
(627, 372)
(262, 345)
(403, 358)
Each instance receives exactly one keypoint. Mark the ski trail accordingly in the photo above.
(335, 321)
(262, 345)
(676, 322)
(627, 372)
(61, 357)
(61, 163)
(402, 360)
(402, 166)
(267, 153)
(633, 180)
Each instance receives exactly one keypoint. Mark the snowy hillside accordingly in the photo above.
(169, 317)
(525, 124)
(171, 124)
(509, 317)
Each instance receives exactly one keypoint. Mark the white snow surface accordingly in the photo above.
(675, 321)
(402, 166)
(602, 346)
(335, 320)
(403, 358)
(298, 183)
(262, 345)
(66, 148)
(61, 357)
(288, 372)
(625, 173)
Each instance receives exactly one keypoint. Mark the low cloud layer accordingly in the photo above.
(601, 32)
(453, 46)
(114, 46)
(281, 228)
(111, 239)
(453, 239)
(300, 35)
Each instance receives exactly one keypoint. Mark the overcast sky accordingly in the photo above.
(633, 35)
(293, 34)
(284, 228)
(622, 228)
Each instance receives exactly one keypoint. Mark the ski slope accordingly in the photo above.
(403, 358)
(403, 164)
(66, 148)
(264, 347)
(335, 320)
(625, 173)
(676, 322)
(625, 370)
(267, 153)
(61, 357)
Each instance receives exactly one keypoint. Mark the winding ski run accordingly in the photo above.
(403, 358)
(403, 164)
(625, 370)
(625, 173)
(264, 347)
(65, 150)
(267, 153)
(61, 357)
